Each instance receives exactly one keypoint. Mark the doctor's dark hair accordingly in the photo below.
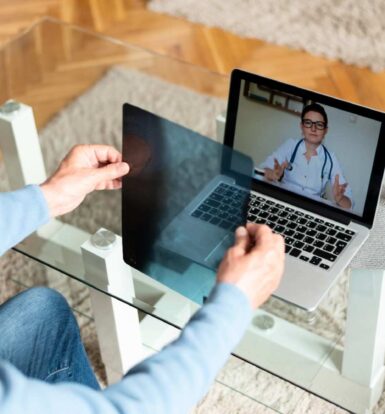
(315, 108)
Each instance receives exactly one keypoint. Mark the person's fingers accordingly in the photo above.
(284, 165)
(276, 165)
(92, 155)
(242, 241)
(253, 228)
(342, 188)
(241, 237)
(109, 185)
(267, 246)
(280, 242)
(337, 180)
(259, 235)
(117, 184)
(335, 187)
(110, 172)
(278, 168)
(106, 154)
(114, 184)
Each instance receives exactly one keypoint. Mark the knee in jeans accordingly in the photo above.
(44, 302)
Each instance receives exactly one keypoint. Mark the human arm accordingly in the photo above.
(176, 378)
(339, 194)
(84, 169)
(170, 382)
(342, 192)
(21, 212)
(275, 164)
(276, 173)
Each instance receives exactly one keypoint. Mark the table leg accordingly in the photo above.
(20, 144)
(364, 350)
(121, 348)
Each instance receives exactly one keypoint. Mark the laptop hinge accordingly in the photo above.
(340, 218)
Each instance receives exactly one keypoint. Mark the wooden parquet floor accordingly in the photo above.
(214, 49)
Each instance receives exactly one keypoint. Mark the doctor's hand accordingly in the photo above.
(86, 168)
(255, 263)
(276, 173)
(339, 193)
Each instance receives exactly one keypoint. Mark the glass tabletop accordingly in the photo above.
(76, 82)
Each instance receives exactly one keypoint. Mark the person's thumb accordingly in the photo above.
(242, 240)
(337, 179)
(111, 171)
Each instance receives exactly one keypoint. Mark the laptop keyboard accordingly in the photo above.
(223, 207)
(307, 238)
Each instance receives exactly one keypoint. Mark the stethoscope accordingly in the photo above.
(327, 156)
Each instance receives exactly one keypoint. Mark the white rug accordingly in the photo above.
(96, 117)
(350, 30)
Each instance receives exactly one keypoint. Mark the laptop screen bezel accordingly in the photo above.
(298, 200)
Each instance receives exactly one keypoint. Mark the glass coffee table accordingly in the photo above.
(76, 83)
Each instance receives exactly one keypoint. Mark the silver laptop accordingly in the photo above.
(318, 168)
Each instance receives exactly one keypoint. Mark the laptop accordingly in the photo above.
(315, 179)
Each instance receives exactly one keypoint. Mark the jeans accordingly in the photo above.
(40, 336)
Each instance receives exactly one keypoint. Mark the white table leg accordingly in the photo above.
(364, 350)
(117, 324)
(20, 144)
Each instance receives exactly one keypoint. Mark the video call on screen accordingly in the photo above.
(269, 127)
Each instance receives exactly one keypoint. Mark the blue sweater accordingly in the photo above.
(172, 381)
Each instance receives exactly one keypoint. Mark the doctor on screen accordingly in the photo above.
(305, 165)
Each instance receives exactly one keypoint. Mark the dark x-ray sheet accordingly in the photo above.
(182, 200)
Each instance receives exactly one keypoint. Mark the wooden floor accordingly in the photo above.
(214, 49)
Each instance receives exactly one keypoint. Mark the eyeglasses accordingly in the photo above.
(308, 123)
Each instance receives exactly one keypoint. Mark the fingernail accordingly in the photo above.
(241, 231)
(123, 168)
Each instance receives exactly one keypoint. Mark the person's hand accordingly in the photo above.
(86, 168)
(255, 263)
(338, 189)
(276, 173)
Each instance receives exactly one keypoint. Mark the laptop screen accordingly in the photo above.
(308, 145)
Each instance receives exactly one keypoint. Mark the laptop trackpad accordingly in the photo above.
(214, 258)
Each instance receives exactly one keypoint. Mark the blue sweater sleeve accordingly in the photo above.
(170, 382)
(21, 212)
